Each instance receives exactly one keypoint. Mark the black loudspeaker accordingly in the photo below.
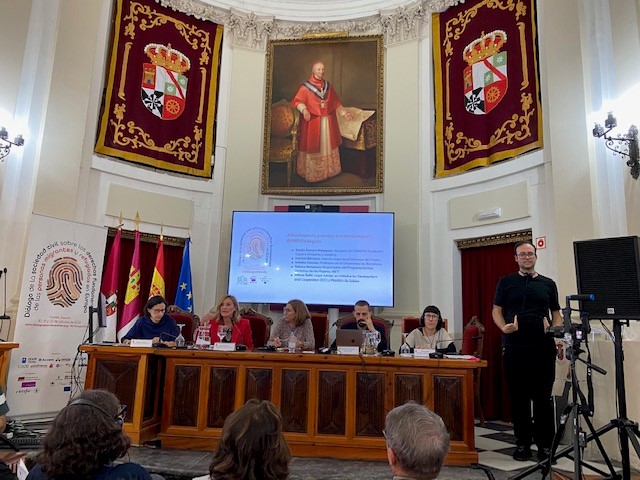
(609, 268)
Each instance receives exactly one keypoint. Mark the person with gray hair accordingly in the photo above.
(417, 442)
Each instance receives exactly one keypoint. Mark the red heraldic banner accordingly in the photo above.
(487, 92)
(162, 86)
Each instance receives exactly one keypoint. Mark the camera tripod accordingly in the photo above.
(577, 410)
(627, 429)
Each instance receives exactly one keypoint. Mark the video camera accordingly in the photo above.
(573, 333)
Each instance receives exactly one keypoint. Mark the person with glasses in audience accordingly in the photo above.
(85, 439)
(521, 309)
(156, 325)
(431, 333)
(296, 323)
(417, 442)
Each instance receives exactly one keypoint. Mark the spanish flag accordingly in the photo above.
(157, 282)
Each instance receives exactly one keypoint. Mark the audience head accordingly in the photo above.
(296, 312)
(86, 435)
(155, 308)
(227, 306)
(430, 311)
(252, 446)
(417, 441)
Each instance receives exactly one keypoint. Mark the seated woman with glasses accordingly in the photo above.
(295, 323)
(236, 329)
(84, 440)
(156, 326)
(431, 333)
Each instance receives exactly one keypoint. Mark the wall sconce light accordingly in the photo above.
(626, 145)
(6, 144)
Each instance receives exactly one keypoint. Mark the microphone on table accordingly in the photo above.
(326, 337)
(164, 345)
(446, 350)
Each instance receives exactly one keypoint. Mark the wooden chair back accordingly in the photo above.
(188, 319)
(260, 326)
(320, 322)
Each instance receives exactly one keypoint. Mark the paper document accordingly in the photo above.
(350, 128)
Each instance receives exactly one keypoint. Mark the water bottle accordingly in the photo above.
(292, 343)
(405, 349)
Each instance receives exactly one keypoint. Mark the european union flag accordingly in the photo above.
(184, 297)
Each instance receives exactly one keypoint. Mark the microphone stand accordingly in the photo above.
(327, 349)
(4, 315)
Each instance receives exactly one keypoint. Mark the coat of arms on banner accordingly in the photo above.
(161, 89)
(485, 78)
(487, 109)
(164, 87)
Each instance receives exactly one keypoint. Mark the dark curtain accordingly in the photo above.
(482, 267)
(148, 253)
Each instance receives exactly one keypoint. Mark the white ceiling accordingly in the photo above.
(312, 10)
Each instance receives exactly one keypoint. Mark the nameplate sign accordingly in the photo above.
(422, 352)
(224, 347)
(349, 350)
(137, 342)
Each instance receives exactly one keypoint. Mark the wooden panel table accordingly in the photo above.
(332, 405)
(134, 375)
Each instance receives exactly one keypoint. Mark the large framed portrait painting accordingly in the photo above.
(323, 116)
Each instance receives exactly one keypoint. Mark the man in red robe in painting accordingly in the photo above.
(317, 101)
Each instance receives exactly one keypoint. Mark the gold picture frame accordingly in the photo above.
(353, 67)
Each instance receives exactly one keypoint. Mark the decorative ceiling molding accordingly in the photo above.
(249, 30)
(501, 239)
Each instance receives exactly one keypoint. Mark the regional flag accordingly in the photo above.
(157, 282)
(132, 300)
(184, 296)
(109, 289)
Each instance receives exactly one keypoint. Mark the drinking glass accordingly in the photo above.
(222, 332)
(203, 337)
(180, 338)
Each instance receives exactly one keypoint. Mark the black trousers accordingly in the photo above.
(530, 373)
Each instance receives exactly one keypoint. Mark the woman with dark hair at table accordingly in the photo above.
(431, 333)
(238, 329)
(156, 325)
(252, 446)
(84, 440)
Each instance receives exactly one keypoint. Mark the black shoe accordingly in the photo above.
(522, 453)
(543, 455)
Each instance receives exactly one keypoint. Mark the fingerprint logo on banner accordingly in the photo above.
(64, 284)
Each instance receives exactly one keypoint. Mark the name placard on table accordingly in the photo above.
(348, 350)
(224, 347)
(422, 352)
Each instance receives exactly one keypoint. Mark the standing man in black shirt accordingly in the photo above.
(521, 309)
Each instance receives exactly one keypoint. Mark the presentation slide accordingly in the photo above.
(321, 258)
